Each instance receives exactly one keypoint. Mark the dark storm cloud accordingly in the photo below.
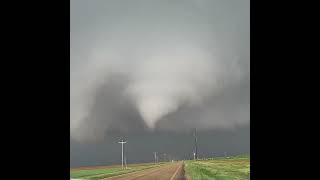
(140, 147)
(110, 112)
(153, 70)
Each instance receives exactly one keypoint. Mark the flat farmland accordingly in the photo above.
(101, 172)
(218, 169)
(232, 168)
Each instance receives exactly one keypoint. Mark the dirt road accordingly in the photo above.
(172, 171)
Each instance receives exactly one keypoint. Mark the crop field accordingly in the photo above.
(108, 171)
(236, 168)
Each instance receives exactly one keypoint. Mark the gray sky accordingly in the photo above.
(151, 70)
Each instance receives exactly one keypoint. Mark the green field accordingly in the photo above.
(108, 171)
(233, 168)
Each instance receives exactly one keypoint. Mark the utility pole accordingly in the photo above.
(155, 157)
(195, 153)
(122, 141)
(125, 161)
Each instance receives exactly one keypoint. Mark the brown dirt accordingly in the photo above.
(94, 167)
(173, 171)
(106, 167)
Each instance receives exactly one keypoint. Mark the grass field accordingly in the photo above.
(108, 171)
(233, 168)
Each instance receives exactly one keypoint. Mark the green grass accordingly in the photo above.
(109, 171)
(233, 168)
(91, 172)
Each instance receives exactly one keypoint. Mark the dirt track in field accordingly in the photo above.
(105, 167)
(173, 171)
(93, 167)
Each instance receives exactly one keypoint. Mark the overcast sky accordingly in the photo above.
(151, 71)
